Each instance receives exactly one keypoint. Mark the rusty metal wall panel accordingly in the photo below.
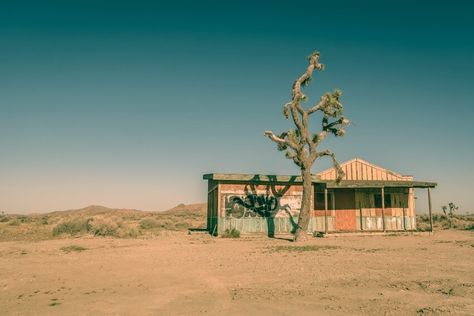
(278, 225)
(346, 220)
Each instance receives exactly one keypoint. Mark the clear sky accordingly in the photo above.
(128, 103)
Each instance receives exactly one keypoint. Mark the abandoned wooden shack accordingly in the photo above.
(368, 199)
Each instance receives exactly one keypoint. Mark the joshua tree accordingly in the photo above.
(452, 208)
(300, 145)
(449, 212)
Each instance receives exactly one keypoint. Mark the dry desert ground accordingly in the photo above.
(181, 274)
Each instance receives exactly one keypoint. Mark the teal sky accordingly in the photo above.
(128, 103)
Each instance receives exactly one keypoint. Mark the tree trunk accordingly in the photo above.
(304, 216)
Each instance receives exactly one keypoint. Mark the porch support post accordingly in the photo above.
(429, 209)
(404, 224)
(325, 210)
(383, 208)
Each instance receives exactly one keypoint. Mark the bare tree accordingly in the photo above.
(300, 145)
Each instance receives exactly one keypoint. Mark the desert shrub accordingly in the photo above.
(111, 227)
(149, 223)
(318, 234)
(469, 227)
(4, 218)
(72, 227)
(14, 222)
(44, 220)
(104, 226)
(24, 219)
(231, 233)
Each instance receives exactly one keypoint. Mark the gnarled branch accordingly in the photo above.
(339, 172)
(280, 140)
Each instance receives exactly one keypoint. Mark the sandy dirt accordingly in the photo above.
(179, 274)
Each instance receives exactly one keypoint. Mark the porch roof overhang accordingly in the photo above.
(379, 184)
(255, 177)
(261, 178)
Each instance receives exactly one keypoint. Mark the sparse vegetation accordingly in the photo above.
(73, 248)
(14, 222)
(445, 221)
(303, 248)
(101, 222)
(72, 227)
(231, 233)
(4, 218)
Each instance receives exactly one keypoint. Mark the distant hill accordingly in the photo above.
(92, 210)
(197, 208)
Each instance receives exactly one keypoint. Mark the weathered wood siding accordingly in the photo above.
(358, 169)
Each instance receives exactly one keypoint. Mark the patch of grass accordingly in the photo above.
(368, 250)
(318, 234)
(304, 248)
(72, 227)
(71, 248)
(231, 233)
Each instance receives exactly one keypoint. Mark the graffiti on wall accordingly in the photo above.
(252, 205)
(261, 205)
(261, 201)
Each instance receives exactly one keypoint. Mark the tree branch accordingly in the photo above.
(281, 141)
(339, 172)
(318, 106)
